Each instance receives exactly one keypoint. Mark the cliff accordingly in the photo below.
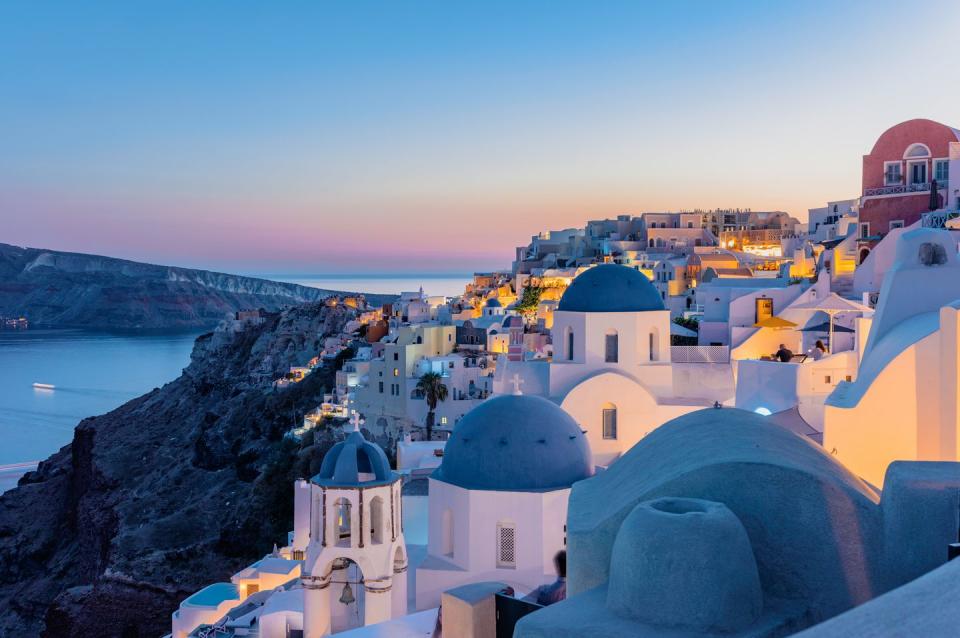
(175, 489)
(58, 289)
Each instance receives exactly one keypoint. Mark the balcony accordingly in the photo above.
(902, 189)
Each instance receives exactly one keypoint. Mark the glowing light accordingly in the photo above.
(763, 411)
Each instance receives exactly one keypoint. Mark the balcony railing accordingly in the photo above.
(898, 189)
(700, 354)
(938, 218)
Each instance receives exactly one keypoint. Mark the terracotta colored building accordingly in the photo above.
(899, 175)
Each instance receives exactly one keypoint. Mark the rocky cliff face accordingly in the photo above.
(173, 490)
(61, 289)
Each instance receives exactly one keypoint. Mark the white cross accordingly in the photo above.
(356, 421)
(516, 383)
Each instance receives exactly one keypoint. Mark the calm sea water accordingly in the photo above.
(447, 285)
(97, 372)
(93, 373)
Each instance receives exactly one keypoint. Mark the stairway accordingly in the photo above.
(842, 284)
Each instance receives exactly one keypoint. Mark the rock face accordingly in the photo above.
(173, 490)
(74, 290)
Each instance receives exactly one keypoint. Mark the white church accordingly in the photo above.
(498, 501)
(612, 368)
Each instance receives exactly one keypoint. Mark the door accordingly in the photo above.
(918, 173)
(764, 309)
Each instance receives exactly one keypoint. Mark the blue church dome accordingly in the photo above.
(493, 302)
(516, 443)
(346, 461)
(611, 288)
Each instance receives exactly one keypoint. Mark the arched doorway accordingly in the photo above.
(864, 253)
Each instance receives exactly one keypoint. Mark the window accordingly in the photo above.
(381, 387)
(376, 520)
(864, 230)
(896, 224)
(506, 545)
(342, 524)
(941, 171)
(609, 421)
(443, 420)
(917, 150)
(654, 345)
(396, 356)
(446, 547)
(396, 372)
(252, 588)
(298, 554)
(827, 379)
(611, 354)
(891, 173)
(569, 345)
(848, 378)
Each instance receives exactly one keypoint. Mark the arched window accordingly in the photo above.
(446, 538)
(376, 520)
(654, 345)
(569, 344)
(342, 522)
(611, 352)
(506, 545)
(609, 415)
(917, 150)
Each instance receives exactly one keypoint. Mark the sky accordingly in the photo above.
(356, 137)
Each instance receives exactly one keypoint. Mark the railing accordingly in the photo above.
(901, 188)
(938, 219)
(700, 354)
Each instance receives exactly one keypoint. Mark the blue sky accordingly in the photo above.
(373, 137)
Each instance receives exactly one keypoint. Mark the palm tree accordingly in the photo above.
(431, 386)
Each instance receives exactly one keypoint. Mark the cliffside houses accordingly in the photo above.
(812, 431)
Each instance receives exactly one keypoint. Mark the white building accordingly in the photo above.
(903, 404)
(498, 502)
(612, 367)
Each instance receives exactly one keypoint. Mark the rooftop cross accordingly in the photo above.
(516, 383)
(356, 421)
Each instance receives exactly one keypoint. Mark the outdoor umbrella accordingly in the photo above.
(775, 323)
(825, 327)
(832, 304)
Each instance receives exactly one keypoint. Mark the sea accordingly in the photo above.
(95, 372)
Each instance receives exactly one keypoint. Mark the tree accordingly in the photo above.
(529, 300)
(431, 386)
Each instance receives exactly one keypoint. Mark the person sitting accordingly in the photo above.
(555, 591)
(783, 355)
(819, 351)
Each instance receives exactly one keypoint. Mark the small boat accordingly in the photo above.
(44, 386)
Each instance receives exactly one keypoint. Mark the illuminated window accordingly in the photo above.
(396, 372)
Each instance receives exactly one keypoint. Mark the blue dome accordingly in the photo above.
(347, 460)
(493, 302)
(516, 443)
(611, 288)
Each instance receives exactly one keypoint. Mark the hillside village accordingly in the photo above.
(615, 380)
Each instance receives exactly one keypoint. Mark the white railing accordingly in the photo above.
(700, 354)
(901, 188)
(938, 219)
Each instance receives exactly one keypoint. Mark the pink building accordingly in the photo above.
(898, 175)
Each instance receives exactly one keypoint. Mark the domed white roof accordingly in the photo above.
(611, 288)
(516, 443)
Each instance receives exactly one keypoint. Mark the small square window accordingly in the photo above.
(827, 379)
(848, 378)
